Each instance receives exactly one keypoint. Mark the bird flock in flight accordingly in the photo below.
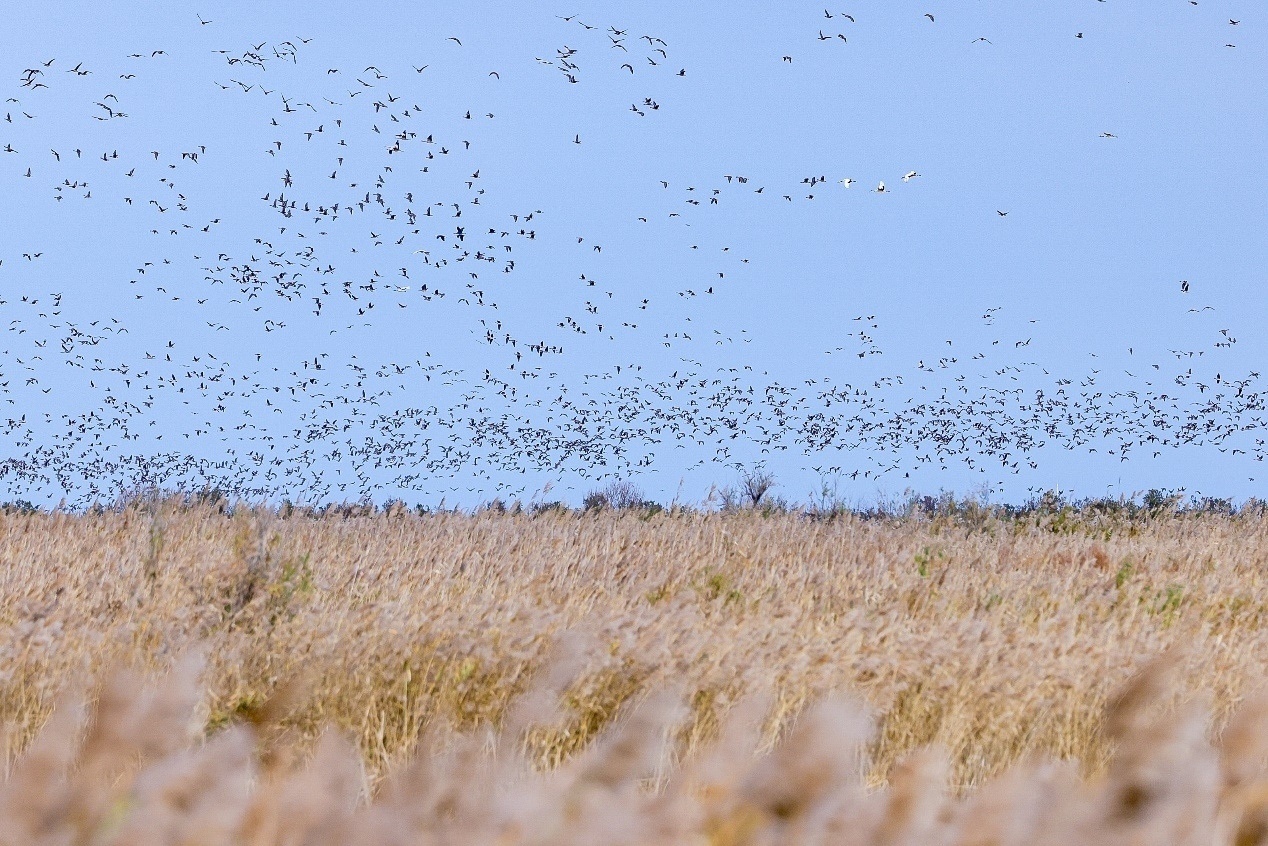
(240, 349)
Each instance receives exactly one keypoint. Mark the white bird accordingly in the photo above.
(880, 189)
(847, 182)
(909, 175)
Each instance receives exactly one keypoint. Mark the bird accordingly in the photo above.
(373, 228)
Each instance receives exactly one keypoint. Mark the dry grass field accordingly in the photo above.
(628, 677)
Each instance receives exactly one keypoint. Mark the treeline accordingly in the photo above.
(752, 492)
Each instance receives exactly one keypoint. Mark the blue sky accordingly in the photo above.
(165, 322)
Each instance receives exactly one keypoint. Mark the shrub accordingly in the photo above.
(620, 494)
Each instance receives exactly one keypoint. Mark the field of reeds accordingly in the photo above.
(176, 673)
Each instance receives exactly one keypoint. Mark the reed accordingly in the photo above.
(619, 677)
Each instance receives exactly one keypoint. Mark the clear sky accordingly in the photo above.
(328, 251)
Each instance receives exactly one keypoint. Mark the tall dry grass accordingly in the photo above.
(985, 658)
(136, 769)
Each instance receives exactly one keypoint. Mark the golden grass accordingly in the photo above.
(626, 670)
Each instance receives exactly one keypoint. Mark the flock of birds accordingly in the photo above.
(248, 360)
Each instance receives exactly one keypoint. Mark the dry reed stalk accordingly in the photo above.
(135, 775)
(999, 642)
